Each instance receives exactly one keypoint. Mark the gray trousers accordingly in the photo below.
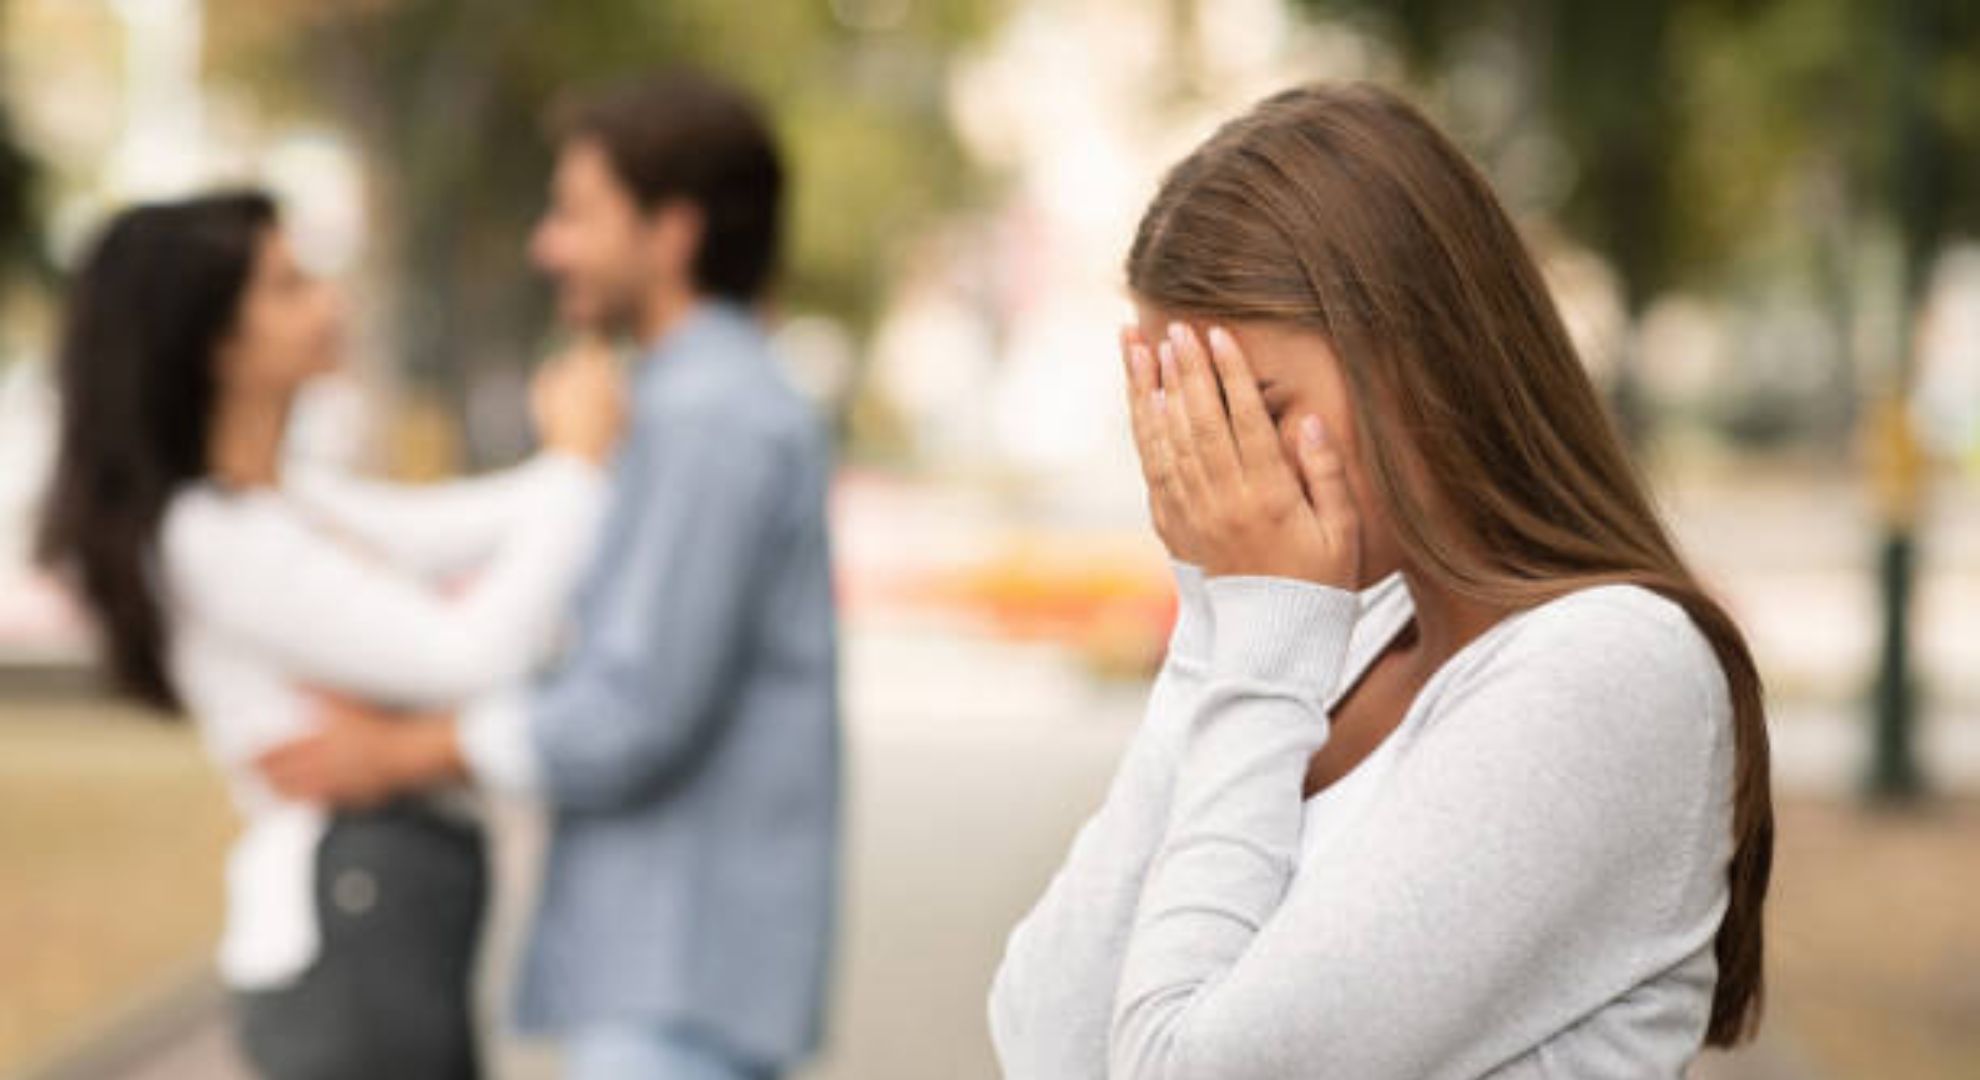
(399, 896)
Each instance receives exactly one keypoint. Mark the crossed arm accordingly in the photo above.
(658, 647)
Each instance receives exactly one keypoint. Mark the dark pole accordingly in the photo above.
(1894, 771)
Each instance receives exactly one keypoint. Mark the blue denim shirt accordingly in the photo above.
(689, 743)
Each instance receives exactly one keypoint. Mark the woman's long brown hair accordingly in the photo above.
(1342, 209)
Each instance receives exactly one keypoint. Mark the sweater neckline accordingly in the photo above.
(1389, 601)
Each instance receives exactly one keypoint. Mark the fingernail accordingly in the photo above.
(1221, 338)
(1311, 433)
(1178, 333)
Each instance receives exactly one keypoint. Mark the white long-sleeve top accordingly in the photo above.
(1523, 880)
(340, 583)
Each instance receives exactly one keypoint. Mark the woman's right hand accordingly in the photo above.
(1222, 474)
(578, 401)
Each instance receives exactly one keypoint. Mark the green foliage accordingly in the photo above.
(1691, 121)
(447, 98)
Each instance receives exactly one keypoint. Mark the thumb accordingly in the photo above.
(1324, 474)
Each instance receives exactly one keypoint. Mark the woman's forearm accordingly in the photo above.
(1049, 1002)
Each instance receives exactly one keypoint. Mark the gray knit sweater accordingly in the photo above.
(1529, 886)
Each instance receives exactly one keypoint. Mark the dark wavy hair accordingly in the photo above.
(154, 297)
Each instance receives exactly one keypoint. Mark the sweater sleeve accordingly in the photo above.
(1554, 838)
(1049, 1000)
(429, 529)
(328, 616)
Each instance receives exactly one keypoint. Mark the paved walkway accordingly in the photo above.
(955, 824)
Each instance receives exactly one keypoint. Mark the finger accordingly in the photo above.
(1325, 476)
(298, 786)
(1167, 497)
(1142, 378)
(282, 758)
(1258, 445)
(1160, 465)
(289, 777)
(1184, 471)
(276, 774)
(282, 784)
(1203, 401)
(1141, 387)
(1155, 415)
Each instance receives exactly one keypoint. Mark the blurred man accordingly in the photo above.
(687, 745)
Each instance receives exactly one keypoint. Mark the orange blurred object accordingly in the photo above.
(1114, 605)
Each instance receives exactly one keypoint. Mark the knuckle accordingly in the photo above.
(1275, 505)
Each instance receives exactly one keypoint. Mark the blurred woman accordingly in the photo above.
(226, 586)
(1454, 769)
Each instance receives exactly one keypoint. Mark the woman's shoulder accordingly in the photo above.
(1611, 632)
(1624, 646)
(1616, 622)
(1612, 683)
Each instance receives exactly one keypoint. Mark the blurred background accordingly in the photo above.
(1762, 218)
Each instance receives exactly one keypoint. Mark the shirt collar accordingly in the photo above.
(708, 329)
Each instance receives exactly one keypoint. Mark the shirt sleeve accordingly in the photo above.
(430, 529)
(645, 684)
(1049, 1003)
(1529, 862)
(328, 616)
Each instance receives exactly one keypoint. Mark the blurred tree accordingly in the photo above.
(1598, 77)
(1695, 125)
(1856, 120)
(446, 99)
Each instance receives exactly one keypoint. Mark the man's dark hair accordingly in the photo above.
(686, 135)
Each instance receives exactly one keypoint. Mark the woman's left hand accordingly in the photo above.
(1217, 461)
